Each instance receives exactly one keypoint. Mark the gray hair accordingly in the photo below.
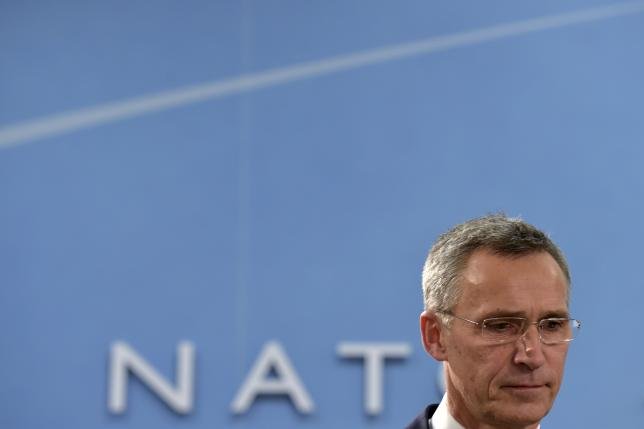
(498, 233)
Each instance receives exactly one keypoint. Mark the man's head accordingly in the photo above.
(499, 373)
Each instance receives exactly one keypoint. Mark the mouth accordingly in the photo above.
(524, 389)
(525, 386)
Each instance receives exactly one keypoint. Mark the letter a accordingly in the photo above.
(285, 381)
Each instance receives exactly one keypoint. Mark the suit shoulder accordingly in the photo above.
(421, 422)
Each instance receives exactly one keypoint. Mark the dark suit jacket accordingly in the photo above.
(422, 421)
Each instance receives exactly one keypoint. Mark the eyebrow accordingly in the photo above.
(563, 314)
(502, 313)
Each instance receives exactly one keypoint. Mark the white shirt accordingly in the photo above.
(443, 419)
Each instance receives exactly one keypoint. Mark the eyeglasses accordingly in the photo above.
(552, 330)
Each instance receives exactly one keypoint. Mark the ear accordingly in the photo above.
(433, 333)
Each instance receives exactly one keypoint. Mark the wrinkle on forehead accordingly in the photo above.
(530, 286)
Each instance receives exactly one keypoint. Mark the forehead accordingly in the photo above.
(532, 285)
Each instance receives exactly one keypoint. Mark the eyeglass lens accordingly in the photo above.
(551, 330)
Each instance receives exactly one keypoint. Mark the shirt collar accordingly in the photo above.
(443, 419)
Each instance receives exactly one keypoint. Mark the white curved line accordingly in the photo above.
(66, 122)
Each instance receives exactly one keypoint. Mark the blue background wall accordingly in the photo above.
(235, 172)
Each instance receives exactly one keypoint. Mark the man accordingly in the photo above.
(496, 293)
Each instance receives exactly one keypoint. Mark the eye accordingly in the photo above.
(553, 325)
(502, 326)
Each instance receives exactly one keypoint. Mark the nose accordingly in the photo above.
(529, 349)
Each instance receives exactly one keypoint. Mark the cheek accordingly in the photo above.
(496, 362)
(487, 368)
(557, 361)
(478, 366)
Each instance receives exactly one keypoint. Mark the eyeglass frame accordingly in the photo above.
(524, 326)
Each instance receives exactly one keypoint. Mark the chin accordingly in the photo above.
(520, 414)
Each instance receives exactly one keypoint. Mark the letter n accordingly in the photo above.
(124, 360)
